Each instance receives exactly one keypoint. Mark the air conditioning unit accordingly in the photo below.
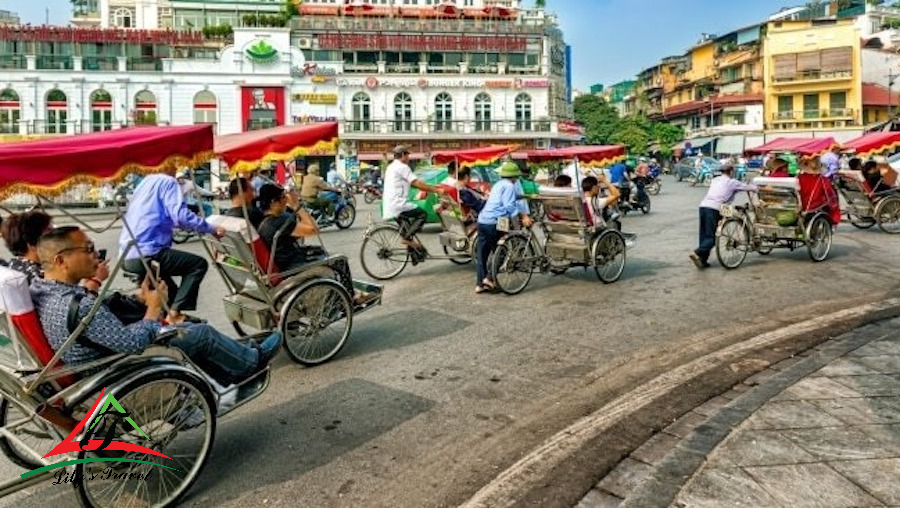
(304, 43)
(542, 144)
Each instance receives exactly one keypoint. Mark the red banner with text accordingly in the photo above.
(262, 107)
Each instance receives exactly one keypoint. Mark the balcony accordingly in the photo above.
(53, 62)
(473, 127)
(806, 77)
(13, 62)
(813, 114)
(361, 68)
(100, 63)
(62, 127)
(402, 68)
(144, 63)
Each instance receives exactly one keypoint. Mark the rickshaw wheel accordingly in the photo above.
(887, 213)
(455, 257)
(732, 243)
(34, 434)
(176, 412)
(511, 264)
(317, 321)
(608, 252)
(861, 222)
(382, 254)
(346, 217)
(818, 238)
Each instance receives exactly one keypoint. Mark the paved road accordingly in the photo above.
(439, 389)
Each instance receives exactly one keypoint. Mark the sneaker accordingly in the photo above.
(696, 259)
(268, 348)
(228, 400)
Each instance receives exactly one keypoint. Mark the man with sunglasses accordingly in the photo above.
(68, 255)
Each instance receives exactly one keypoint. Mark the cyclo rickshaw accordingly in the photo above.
(784, 213)
(865, 207)
(313, 306)
(382, 254)
(170, 399)
(570, 238)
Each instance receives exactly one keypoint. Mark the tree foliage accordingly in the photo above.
(603, 126)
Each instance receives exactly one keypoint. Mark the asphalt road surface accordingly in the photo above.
(439, 389)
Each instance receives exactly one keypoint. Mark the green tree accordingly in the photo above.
(633, 134)
(600, 120)
(540, 4)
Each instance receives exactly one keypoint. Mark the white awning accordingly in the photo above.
(695, 143)
(730, 145)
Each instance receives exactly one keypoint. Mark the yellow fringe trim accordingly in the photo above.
(602, 163)
(883, 148)
(320, 148)
(171, 163)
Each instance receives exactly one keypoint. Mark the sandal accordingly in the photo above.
(481, 289)
(489, 284)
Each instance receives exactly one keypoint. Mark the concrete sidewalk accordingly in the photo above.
(819, 429)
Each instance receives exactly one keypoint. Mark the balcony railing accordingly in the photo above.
(813, 114)
(100, 63)
(54, 62)
(814, 75)
(331, 23)
(144, 63)
(66, 127)
(446, 126)
(13, 62)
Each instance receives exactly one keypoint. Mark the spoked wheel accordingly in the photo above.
(34, 434)
(887, 213)
(382, 253)
(818, 238)
(861, 222)
(317, 321)
(175, 413)
(764, 251)
(511, 264)
(654, 187)
(369, 197)
(608, 253)
(180, 235)
(732, 243)
(346, 217)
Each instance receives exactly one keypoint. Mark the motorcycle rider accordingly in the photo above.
(620, 177)
(314, 191)
(190, 191)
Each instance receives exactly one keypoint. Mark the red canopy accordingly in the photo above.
(50, 166)
(591, 155)
(471, 156)
(873, 143)
(803, 146)
(245, 151)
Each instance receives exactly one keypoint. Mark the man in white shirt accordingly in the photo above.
(398, 178)
(190, 191)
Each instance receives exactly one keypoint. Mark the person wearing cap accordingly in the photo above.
(314, 189)
(831, 162)
(721, 191)
(398, 178)
(504, 203)
(777, 168)
(190, 191)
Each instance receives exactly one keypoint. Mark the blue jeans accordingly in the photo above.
(709, 221)
(217, 354)
(488, 236)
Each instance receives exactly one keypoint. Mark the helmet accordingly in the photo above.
(509, 170)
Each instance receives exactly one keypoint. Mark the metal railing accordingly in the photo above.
(53, 62)
(144, 63)
(66, 127)
(13, 62)
(446, 126)
(813, 114)
(814, 75)
(100, 63)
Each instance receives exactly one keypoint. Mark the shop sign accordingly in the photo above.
(98, 35)
(313, 119)
(312, 69)
(260, 51)
(498, 83)
(569, 127)
(350, 41)
(328, 99)
(373, 82)
(532, 83)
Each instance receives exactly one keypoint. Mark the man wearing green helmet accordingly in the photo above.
(505, 202)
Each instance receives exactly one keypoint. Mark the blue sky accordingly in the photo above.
(611, 40)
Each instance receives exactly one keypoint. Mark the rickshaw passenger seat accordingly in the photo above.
(237, 227)
(15, 301)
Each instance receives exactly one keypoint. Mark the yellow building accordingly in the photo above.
(812, 72)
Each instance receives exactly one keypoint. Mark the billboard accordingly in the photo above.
(262, 107)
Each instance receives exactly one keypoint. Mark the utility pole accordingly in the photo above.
(890, 100)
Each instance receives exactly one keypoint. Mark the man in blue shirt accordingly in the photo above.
(504, 202)
(155, 210)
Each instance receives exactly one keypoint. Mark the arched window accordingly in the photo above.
(123, 18)
(10, 111)
(145, 108)
(403, 111)
(443, 112)
(362, 112)
(523, 112)
(57, 113)
(483, 112)
(101, 111)
(205, 108)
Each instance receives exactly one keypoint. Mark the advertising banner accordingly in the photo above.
(262, 107)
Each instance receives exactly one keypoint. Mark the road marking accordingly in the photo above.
(503, 490)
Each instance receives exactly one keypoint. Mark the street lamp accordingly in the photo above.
(890, 102)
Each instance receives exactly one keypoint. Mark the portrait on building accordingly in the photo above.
(262, 107)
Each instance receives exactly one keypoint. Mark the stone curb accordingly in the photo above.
(636, 414)
(662, 486)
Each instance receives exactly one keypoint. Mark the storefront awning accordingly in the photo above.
(695, 143)
(730, 145)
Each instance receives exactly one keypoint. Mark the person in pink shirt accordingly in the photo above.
(721, 191)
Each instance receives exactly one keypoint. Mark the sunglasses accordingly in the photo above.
(90, 248)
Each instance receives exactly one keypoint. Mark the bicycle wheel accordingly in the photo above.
(887, 213)
(382, 253)
(818, 238)
(175, 413)
(34, 434)
(732, 243)
(317, 321)
(511, 264)
(608, 252)
(860, 221)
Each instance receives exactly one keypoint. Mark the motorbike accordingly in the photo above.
(654, 182)
(700, 176)
(371, 192)
(342, 214)
(641, 201)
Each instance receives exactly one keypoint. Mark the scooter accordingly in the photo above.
(343, 214)
(654, 182)
(641, 201)
(371, 192)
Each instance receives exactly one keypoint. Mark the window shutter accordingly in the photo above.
(837, 59)
(808, 61)
(785, 66)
